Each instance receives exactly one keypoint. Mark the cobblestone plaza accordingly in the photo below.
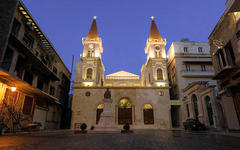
(140, 139)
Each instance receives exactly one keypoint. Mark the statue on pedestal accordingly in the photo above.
(107, 94)
(106, 121)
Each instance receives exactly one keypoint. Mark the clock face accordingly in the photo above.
(91, 46)
(157, 48)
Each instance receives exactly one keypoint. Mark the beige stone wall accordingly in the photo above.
(225, 32)
(84, 107)
(202, 91)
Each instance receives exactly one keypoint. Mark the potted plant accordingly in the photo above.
(83, 128)
(126, 128)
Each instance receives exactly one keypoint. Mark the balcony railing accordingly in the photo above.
(35, 60)
(197, 73)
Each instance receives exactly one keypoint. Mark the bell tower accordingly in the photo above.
(90, 71)
(154, 72)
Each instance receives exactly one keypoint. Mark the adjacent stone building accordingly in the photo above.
(188, 62)
(201, 102)
(143, 102)
(225, 51)
(34, 81)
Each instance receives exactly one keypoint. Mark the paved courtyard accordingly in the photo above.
(150, 140)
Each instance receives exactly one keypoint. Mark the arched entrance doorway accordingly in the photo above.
(209, 110)
(195, 105)
(148, 114)
(99, 111)
(124, 111)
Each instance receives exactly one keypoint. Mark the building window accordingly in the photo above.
(89, 73)
(159, 74)
(55, 70)
(52, 91)
(195, 106)
(149, 78)
(209, 110)
(40, 84)
(20, 66)
(188, 67)
(28, 77)
(16, 27)
(7, 60)
(185, 49)
(89, 54)
(221, 59)
(54, 116)
(238, 34)
(230, 54)
(28, 105)
(187, 108)
(200, 49)
(29, 40)
(203, 67)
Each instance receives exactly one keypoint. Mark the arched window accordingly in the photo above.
(159, 74)
(89, 73)
(195, 105)
(148, 114)
(209, 110)
(89, 54)
(99, 111)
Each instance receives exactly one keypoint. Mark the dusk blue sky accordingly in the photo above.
(123, 25)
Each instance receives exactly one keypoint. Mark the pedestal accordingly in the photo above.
(106, 122)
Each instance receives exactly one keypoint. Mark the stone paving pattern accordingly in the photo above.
(149, 140)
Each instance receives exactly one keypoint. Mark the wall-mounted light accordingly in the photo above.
(160, 84)
(13, 89)
(161, 93)
(88, 83)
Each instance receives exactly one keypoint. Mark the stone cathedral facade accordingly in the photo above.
(143, 102)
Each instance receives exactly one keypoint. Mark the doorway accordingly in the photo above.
(124, 111)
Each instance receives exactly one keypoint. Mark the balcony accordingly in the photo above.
(197, 73)
(226, 71)
(37, 65)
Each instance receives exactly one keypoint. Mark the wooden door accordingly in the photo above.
(148, 116)
(124, 115)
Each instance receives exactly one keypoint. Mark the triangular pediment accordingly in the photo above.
(124, 74)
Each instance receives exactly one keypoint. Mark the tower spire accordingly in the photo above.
(93, 32)
(154, 33)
